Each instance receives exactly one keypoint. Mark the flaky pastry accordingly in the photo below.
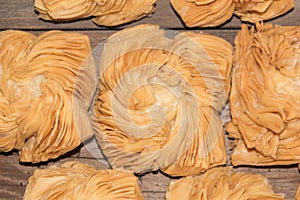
(222, 183)
(260, 10)
(207, 13)
(264, 99)
(43, 107)
(77, 181)
(159, 99)
(199, 13)
(106, 12)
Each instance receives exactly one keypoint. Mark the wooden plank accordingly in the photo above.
(12, 192)
(154, 195)
(14, 176)
(98, 37)
(20, 14)
(155, 181)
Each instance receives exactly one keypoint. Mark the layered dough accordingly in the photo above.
(77, 181)
(200, 13)
(264, 100)
(106, 12)
(203, 13)
(222, 183)
(159, 100)
(43, 107)
(259, 10)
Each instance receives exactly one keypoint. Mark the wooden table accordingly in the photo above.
(19, 14)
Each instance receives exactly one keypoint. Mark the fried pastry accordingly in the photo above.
(159, 99)
(264, 99)
(44, 111)
(222, 183)
(77, 181)
(106, 13)
(211, 13)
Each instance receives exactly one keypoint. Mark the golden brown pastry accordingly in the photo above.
(77, 181)
(106, 12)
(207, 13)
(259, 10)
(264, 99)
(222, 183)
(159, 100)
(203, 13)
(43, 107)
(297, 197)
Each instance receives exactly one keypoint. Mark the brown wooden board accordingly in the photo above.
(19, 14)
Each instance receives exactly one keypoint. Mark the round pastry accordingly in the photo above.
(159, 99)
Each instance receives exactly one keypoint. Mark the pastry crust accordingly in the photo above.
(297, 197)
(199, 13)
(77, 181)
(159, 100)
(264, 96)
(211, 13)
(261, 10)
(106, 12)
(222, 183)
(43, 110)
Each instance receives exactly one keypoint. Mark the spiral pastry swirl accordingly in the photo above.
(159, 99)
(43, 109)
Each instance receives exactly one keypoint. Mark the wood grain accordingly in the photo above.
(19, 14)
